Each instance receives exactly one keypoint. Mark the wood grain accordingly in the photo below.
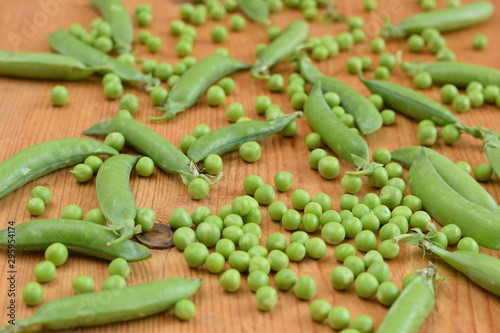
(27, 118)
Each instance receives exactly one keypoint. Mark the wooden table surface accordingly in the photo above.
(27, 118)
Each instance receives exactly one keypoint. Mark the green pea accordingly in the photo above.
(382, 73)
(467, 244)
(283, 181)
(479, 42)
(305, 288)
(341, 278)
(115, 140)
(278, 260)
(387, 293)
(83, 284)
(185, 310)
(344, 250)
(422, 80)
(329, 167)
(372, 257)
(300, 198)
(225, 247)
(45, 271)
(264, 194)
(355, 264)
(195, 254)
(453, 233)
(319, 309)
(72, 212)
(338, 318)
(465, 166)
(215, 262)
(285, 279)
(291, 219)
(250, 151)
(389, 249)
(258, 250)
(239, 260)
(352, 184)
(200, 130)
(415, 43)
(119, 266)
(445, 54)
(230, 280)
(154, 44)
(354, 65)
(257, 279)
(365, 240)
(315, 248)
(35, 206)
(388, 117)
(377, 45)
(56, 253)
(448, 93)
(389, 230)
(296, 251)
(348, 201)
(59, 96)
(275, 83)
(383, 213)
(198, 189)
(377, 101)
(362, 324)
(420, 220)
(394, 170)
(366, 285)
(113, 282)
(491, 93)
(33, 293)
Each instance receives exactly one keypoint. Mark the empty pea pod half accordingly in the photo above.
(231, 137)
(443, 20)
(109, 306)
(43, 158)
(255, 10)
(115, 198)
(195, 81)
(482, 269)
(284, 46)
(148, 142)
(446, 205)
(366, 115)
(409, 102)
(65, 43)
(43, 66)
(334, 133)
(79, 236)
(457, 73)
(413, 305)
(115, 12)
(451, 173)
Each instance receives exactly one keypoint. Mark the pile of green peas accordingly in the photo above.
(99, 36)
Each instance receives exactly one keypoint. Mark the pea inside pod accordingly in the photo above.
(89, 309)
(78, 236)
(43, 158)
(443, 20)
(115, 198)
(43, 66)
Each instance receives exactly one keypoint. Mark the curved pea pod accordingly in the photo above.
(334, 133)
(146, 141)
(195, 81)
(480, 268)
(43, 158)
(451, 173)
(366, 115)
(115, 12)
(459, 74)
(444, 20)
(413, 305)
(280, 48)
(79, 236)
(231, 137)
(445, 205)
(255, 10)
(109, 306)
(43, 66)
(491, 146)
(65, 43)
(115, 198)
(409, 102)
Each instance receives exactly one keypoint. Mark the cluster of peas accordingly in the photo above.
(475, 96)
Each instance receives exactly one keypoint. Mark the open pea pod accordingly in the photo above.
(255, 10)
(109, 306)
(491, 146)
(447, 206)
(451, 173)
(366, 115)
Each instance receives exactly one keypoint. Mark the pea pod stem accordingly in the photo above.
(443, 20)
(115, 12)
(285, 45)
(43, 158)
(230, 137)
(79, 236)
(366, 115)
(115, 198)
(334, 133)
(43, 66)
(110, 306)
(451, 173)
(446, 205)
(413, 305)
(195, 81)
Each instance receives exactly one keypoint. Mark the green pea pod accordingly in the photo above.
(195, 81)
(282, 47)
(43, 66)
(115, 12)
(109, 306)
(443, 20)
(65, 43)
(447, 206)
(491, 146)
(255, 10)
(79, 236)
(334, 133)
(146, 141)
(480, 268)
(43, 158)
(115, 198)
(451, 173)
(231, 137)
(409, 102)
(413, 305)
(457, 73)
(366, 115)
